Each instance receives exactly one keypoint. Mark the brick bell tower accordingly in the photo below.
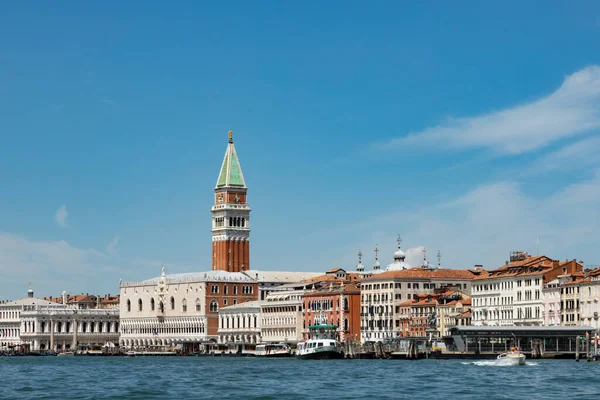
(231, 216)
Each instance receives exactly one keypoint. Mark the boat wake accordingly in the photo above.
(495, 363)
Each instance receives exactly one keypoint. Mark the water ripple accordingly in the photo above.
(247, 378)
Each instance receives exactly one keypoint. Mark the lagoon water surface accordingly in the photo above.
(252, 378)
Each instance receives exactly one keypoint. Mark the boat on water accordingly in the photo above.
(322, 344)
(150, 353)
(514, 357)
(66, 354)
(273, 350)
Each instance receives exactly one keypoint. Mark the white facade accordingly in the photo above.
(281, 317)
(509, 300)
(60, 329)
(173, 309)
(382, 294)
(37, 324)
(10, 324)
(590, 300)
(240, 324)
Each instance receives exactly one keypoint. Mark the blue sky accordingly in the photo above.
(471, 130)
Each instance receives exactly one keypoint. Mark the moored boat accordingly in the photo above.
(322, 344)
(514, 357)
(66, 354)
(273, 350)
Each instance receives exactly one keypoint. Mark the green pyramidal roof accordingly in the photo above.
(231, 172)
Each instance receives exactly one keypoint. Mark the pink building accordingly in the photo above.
(551, 293)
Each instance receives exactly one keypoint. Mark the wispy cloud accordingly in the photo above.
(60, 216)
(111, 247)
(53, 266)
(483, 225)
(571, 110)
(580, 154)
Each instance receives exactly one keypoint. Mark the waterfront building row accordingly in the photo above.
(32, 324)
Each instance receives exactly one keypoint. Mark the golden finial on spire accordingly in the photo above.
(230, 133)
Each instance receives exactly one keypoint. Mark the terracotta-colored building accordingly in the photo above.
(334, 298)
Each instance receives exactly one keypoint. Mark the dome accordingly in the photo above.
(398, 265)
(399, 255)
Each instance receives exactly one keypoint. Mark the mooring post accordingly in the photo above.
(577, 340)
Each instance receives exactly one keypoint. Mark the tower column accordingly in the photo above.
(247, 253)
(236, 255)
(242, 254)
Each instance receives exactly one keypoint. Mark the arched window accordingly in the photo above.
(225, 289)
(184, 305)
(346, 325)
(161, 307)
(235, 290)
(128, 305)
(140, 307)
(172, 303)
(152, 304)
(346, 304)
(214, 306)
(197, 304)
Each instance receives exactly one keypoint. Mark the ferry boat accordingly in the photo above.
(273, 350)
(322, 345)
(514, 357)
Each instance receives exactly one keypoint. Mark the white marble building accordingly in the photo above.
(513, 293)
(590, 299)
(179, 309)
(281, 317)
(239, 325)
(40, 325)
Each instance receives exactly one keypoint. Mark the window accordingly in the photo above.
(172, 303)
(128, 305)
(214, 307)
(184, 305)
(152, 304)
(197, 304)
(214, 289)
(234, 301)
(235, 290)
(224, 302)
(140, 307)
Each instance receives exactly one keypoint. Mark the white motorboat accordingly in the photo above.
(514, 357)
(66, 354)
(273, 350)
(322, 344)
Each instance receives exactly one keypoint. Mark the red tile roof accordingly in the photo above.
(419, 273)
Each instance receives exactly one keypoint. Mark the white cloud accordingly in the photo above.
(580, 154)
(571, 110)
(484, 225)
(52, 266)
(61, 216)
(111, 248)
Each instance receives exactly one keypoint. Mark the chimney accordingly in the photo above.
(478, 267)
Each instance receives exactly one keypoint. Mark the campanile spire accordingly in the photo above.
(230, 216)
